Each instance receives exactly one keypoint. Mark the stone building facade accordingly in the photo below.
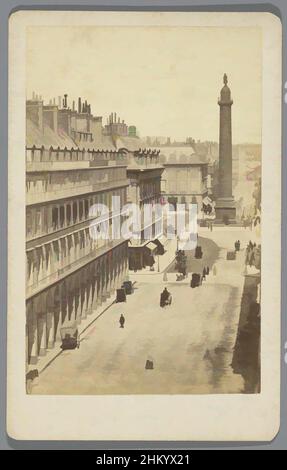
(185, 177)
(145, 188)
(68, 273)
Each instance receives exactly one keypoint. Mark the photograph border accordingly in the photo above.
(279, 196)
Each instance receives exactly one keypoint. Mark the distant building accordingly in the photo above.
(132, 131)
(185, 178)
(115, 126)
(145, 188)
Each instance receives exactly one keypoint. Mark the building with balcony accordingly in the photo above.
(69, 271)
(145, 190)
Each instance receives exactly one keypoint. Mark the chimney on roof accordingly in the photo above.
(59, 101)
(79, 105)
(33, 96)
(34, 112)
(65, 102)
(73, 105)
(50, 117)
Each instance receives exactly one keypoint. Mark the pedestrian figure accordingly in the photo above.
(204, 274)
(207, 270)
(149, 364)
(122, 321)
(214, 270)
(207, 354)
(165, 298)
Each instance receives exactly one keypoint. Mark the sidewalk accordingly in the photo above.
(51, 354)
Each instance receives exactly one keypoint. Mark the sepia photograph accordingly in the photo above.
(143, 207)
(162, 308)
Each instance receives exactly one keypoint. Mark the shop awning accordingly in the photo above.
(152, 246)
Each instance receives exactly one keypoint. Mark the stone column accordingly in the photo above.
(27, 347)
(42, 334)
(95, 287)
(50, 330)
(50, 318)
(65, 215)
(98, 284)
(225, 206)
(71, 299)
(57, 313)
(83, 296)
(31, 320)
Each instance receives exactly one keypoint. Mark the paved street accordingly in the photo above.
(191, 342)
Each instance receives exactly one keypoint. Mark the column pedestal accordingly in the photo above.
(225, 210)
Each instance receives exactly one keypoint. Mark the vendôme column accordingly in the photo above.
(225, 205)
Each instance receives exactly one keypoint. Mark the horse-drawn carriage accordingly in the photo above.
(70, 336)
(195, 280)
(165, 298)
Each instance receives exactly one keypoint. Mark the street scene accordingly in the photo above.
(143, 244)
(191, 342)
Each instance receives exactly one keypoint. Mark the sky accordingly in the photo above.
(164, 80)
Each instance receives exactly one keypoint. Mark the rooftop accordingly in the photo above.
(184, 155)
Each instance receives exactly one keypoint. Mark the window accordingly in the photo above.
(75, 212)
(55, 218)
(86, 208)
(29, 231)
(38, 220)
(68, 214)
(81, 210)
(62, 216)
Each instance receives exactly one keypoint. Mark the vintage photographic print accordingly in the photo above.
(143, 312)
(143, 208)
